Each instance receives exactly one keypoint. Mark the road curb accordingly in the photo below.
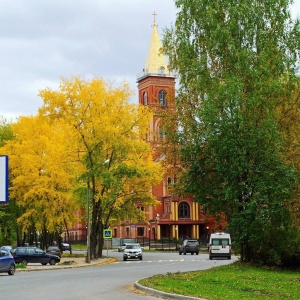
(161, 294)
(104, 261)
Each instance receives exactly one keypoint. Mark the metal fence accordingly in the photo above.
(164, 244)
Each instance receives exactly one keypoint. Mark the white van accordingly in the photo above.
(220, 245)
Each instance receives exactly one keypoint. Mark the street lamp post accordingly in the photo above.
(88, 240)
(207, 232)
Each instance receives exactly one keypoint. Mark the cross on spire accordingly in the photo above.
(154, 15)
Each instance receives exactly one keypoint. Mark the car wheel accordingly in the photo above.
(44, 264)
(210, 257)
(180, 253)
(24, 262)
(229, 257)
(52, 262)
(197, 253)
(141, 258)
(124, 258)
(192, 253)
(184, 253)
(12, 269)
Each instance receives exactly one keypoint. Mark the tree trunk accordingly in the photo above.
(68, 235)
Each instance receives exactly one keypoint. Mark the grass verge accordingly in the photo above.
(72, 255)
(234, 281)
(21, 266)
(79, 246)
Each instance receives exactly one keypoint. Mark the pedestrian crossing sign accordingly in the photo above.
(107, 233)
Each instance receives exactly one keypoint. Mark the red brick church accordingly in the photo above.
(174, 217)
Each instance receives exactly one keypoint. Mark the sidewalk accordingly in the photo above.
(67, 263)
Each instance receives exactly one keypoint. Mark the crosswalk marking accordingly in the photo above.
(160, 261)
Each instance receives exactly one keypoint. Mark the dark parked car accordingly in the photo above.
(65, 247)
(54, 250)
(189, 246)
(7, 262)
(27, 255)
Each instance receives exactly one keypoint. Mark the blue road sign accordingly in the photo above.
(3, 179)
(107, 233)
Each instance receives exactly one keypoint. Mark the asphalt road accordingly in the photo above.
(108, 282)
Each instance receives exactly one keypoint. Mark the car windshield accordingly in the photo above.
(6, 248)
(4, 252)
(218, 242)
(39, 251)
(133, 247)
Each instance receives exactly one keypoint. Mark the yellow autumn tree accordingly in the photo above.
(42, 177)
(107, 133)
(288, 112)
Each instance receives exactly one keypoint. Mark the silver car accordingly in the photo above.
(8, 248)
(133, 251)
(122, 247)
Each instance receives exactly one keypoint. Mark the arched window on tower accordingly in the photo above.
(184, 210)
(169, 180)
(162, 96)
(145, 98)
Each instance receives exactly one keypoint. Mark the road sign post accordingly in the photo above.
(3, 178)
(107, 234)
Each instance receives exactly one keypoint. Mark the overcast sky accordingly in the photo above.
(42, 41)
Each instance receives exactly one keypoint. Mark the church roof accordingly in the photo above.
(156, 62)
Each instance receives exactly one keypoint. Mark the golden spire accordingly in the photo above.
(156, 61)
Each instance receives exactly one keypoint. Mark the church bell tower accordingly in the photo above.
(156, 87)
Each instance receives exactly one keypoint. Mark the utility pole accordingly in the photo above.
(88, 254)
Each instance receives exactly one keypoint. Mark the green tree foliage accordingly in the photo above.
(6, 132)
(116, 163)
(236, 61)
